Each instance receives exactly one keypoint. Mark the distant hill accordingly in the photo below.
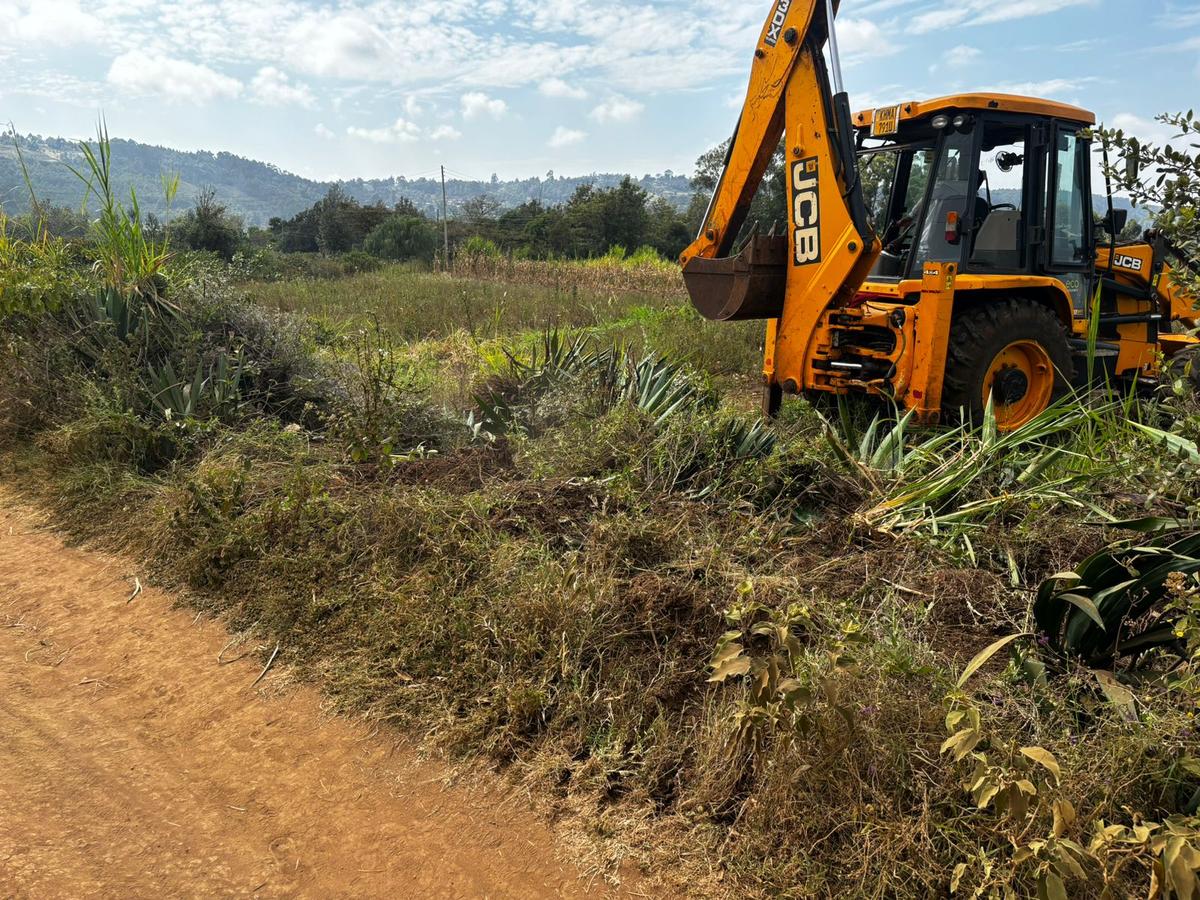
(258, 191)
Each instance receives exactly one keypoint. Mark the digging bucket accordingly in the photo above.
(738, 288)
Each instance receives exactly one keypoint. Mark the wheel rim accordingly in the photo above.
(1020, 383)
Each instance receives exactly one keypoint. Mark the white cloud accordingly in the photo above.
(956, 58)
(445, 133)
(401, 131)
(55, 22)
(1145, 130)
(325, 134)
(272, 87)
(413, 107)
(176, 80)
(566, 137)
(556, 87)
(341, 46)
(1063, 89)
(477, 104)
(987, 12)
(859, 39)
(618, 109)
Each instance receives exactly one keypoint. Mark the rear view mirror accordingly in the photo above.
(1115, 221)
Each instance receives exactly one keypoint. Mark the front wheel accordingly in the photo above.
(1011, 351)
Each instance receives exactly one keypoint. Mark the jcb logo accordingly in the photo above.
(806, 211)
(777, 20)
(1128, 262)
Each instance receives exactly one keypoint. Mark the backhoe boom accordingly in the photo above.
(831, 244)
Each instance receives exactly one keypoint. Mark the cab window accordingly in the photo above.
(998, 239)
(948, 194)
(1072, 208)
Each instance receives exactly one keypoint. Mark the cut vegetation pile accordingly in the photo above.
(803, 660)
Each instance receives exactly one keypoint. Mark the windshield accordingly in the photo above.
(895, 178)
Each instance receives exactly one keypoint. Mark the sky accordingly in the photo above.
(376, 88)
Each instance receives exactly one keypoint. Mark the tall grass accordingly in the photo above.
(130, 260)
(617, 272)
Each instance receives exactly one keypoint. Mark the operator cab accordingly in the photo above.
(995, 183)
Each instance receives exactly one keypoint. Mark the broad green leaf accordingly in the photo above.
(1084, 603)
(1178, 446)
(982, 658)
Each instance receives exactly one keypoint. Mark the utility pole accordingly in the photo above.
(445, 226)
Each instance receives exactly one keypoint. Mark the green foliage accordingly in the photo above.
(382, 420)
(334, 225)
(36, 275)
(209, 227)
(131, 260)
(481, 247)
(952, 481)
(401, 238)
(1165, 179)
(1124, 603)
(588, 226)
(212, 392)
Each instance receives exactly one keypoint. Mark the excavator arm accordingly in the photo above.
(831, 244)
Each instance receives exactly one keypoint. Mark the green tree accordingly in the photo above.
(208, 226)
(1165, 180)
(623, 216)
(667, 229)
(335, 222)
(403, 238)
(770, 205)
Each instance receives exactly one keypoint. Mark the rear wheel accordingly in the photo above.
(1012, 351)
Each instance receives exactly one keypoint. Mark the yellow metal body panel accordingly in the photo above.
(829, 272)
(934, 313)
(921, 109)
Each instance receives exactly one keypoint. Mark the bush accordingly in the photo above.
(482, 248)
(402, 238)
(209, 227)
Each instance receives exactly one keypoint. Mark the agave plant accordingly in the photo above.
(1122, 602)
(172, 396)
(964, 475)
(659, 389)
(177, 398)
(109, 314)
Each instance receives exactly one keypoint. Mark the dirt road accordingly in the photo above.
(133, 765)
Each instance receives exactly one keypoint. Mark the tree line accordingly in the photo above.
(591, 223)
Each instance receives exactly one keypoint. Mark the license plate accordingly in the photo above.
(886, 121)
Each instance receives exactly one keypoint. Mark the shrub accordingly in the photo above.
(481, 248)
(402, 238)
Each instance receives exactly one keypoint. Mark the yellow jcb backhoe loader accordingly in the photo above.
(941, 253)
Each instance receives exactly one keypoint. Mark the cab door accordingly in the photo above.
(1070, 251)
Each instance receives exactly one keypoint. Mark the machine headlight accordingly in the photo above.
(940, 122)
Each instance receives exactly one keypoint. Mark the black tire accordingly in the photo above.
(982, 332)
